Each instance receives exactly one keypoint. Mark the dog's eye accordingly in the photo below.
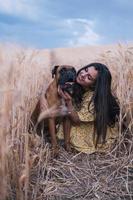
(74, 70)
(63, 70)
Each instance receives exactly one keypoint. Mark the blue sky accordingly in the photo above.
(66, 23)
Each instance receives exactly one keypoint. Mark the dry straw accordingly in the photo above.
(26, 168)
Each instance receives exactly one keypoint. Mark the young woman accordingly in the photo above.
(93, 114)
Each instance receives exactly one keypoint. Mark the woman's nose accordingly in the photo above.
(83, 74)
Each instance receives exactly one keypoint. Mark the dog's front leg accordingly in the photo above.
(52, 130)
(66, 130)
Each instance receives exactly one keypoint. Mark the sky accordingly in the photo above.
(65, 23)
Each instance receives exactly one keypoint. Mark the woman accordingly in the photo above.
(94, 113)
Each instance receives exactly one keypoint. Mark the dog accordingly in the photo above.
(63, 76)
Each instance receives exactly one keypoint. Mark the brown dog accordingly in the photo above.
(62, 74)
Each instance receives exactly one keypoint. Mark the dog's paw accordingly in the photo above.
(55, 152)
(68, 147)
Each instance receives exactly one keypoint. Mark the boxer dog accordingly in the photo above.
(63, 76)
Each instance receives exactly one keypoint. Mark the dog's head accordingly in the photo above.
(65, 76)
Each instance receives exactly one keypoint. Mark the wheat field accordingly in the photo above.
(27, 171)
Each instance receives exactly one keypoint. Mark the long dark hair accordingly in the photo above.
(106, 107)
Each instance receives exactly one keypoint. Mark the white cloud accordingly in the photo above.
(88, 37)
(82, 32)
(23, 8)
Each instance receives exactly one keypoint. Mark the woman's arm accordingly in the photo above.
(71, 111)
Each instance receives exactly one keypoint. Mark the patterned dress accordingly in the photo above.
(82, 137)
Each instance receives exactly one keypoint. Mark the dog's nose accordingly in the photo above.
(71, 79)
(71, 76)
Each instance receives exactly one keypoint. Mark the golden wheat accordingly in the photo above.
(26, 169)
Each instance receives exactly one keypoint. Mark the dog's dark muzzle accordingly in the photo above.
(66, 80)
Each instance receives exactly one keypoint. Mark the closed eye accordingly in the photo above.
(90, 77)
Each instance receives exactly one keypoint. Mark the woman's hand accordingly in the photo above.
(64, 95)
(71, 111)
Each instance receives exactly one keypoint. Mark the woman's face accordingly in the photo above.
(87, 76)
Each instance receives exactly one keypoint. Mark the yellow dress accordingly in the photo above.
(82, 137)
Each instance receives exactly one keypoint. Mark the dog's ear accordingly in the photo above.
(54, 70)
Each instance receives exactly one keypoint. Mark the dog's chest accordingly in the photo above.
(52, 95)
